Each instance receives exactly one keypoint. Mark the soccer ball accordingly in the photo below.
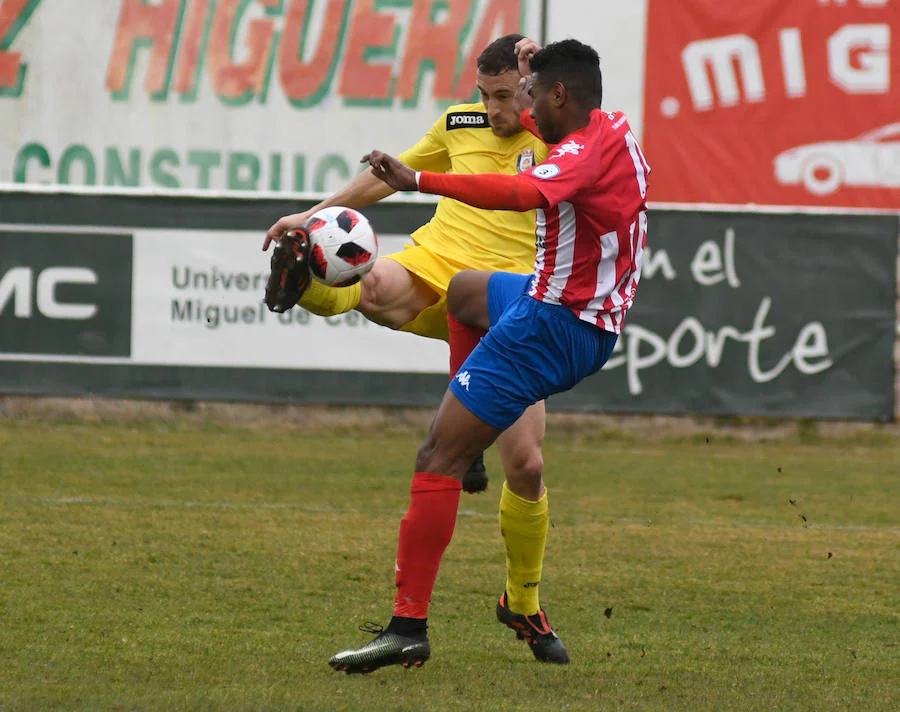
(343, 246)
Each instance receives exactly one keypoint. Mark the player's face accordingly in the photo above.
(543, 111)
(497, 92)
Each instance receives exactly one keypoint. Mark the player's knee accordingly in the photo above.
(374, 299)
(372, 288)
(444, 459)
(456, 295)
(423, 456)
(525, 470)
(467, 298)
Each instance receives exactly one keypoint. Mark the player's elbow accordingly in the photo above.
(526, 197)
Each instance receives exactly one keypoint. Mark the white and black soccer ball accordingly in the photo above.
(343, 246)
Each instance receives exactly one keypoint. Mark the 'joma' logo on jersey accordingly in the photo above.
(568, 147)
(467, 120)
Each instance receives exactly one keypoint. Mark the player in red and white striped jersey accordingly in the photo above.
(592, 230)
(547, 331)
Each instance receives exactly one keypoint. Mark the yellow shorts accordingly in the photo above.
(436, 271)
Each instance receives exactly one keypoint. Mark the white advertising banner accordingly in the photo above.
(198, 302)
(249, 95)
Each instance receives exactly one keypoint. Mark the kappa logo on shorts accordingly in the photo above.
(463, 378)
(467, 120)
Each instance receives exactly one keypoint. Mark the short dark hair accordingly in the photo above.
(499, 56)
(575, 65)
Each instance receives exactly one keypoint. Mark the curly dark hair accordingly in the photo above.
(499, 56)
(575, 65)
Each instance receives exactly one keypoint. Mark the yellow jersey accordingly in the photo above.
(462, 141)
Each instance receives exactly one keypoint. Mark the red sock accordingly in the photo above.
(425, 531)
(463, 340)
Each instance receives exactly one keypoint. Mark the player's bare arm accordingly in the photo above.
(359, 193)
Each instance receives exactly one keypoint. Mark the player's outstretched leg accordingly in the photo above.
(536, 631)
(476, 479)
(386, 648)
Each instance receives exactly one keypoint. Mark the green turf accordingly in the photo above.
(173, 564)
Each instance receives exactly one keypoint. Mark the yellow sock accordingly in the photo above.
(524, 526)
(327, 301)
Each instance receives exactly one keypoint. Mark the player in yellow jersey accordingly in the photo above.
(407, 291)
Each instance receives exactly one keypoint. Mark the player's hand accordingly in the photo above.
(288, 222)
(396, 174)
(523, 99)
(526, 48)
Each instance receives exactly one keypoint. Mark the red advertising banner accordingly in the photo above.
(775, 102)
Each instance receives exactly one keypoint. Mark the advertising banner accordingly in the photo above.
(774, 102)
(759, 315)
(248, 95)
(198, 302)
(736, 313)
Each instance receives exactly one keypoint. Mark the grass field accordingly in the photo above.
(182, 562)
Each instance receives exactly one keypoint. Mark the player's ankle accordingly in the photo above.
(416, 628)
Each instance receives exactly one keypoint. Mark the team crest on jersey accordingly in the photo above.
(526, 160)
(467, 120)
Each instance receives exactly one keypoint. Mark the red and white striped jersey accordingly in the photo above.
(591, 238)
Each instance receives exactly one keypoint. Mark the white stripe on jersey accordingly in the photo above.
(639, 163)
(606, 276)
(638, 255)
(565, 254)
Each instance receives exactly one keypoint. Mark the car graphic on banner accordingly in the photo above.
(871, 160)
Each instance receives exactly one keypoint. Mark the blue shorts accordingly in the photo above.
(532, 351)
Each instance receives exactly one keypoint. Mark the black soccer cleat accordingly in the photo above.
(385, 649)
(536, 631)
(289, 275)
(476, 479)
